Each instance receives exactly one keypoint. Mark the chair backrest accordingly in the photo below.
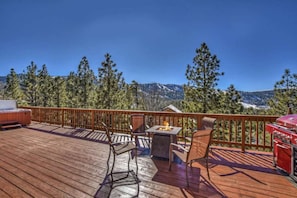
(107, 133)
(138, 123)
(200, 144)
(208, 123)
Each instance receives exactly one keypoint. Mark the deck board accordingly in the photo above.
(43, 161)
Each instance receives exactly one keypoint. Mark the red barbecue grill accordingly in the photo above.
(284, 133)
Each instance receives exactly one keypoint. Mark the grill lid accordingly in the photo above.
(288, 121)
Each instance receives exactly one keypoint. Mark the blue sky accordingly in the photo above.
(153, 40)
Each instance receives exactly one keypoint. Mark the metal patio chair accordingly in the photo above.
(138, 127)
(117, 149)
(206, 123)
(198, 149)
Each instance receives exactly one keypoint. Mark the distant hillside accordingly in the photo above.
(258, 98)
(3, 79)
(2, 82)
(168, 91)
(176, 92)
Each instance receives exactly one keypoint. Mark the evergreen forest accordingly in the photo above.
(106, 89)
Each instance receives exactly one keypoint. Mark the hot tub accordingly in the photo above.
(10, 113)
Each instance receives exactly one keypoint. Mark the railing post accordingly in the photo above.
(62, 117)
(39, 118)
(93, 119)
(243, 135)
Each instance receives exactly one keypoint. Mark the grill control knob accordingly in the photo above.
(288, 138)
(276, 134)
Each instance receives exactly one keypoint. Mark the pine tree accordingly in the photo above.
(110, 93)
(59, 92)
(124, 100)
(231, 101)
(134, 88)
(29, 83)
(285, 94)
(44, 87)
(12, 88)
(85, 85)
(200, 93)
(71, 90)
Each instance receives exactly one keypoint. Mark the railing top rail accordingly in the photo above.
(245, 131)
(236, 116)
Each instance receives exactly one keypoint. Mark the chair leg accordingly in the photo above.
(107, 162)
(129, 158)
(136, 174)
(136, 164)
(170, 157)
(107, 165)
(149, 139)
(112, 167)
(207, 168)
(136, 141)
(187, 174)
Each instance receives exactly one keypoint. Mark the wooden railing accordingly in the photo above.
(239, 131)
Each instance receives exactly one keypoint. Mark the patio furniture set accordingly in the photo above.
(163, 145)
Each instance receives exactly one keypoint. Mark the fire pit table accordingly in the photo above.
(162, 137)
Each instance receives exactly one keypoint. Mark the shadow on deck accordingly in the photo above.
(86, 134)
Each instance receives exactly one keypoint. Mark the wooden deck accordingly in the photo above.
(37, 162)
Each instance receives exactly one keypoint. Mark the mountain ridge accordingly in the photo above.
(175, 92)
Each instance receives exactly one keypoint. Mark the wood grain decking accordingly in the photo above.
(41, 163)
